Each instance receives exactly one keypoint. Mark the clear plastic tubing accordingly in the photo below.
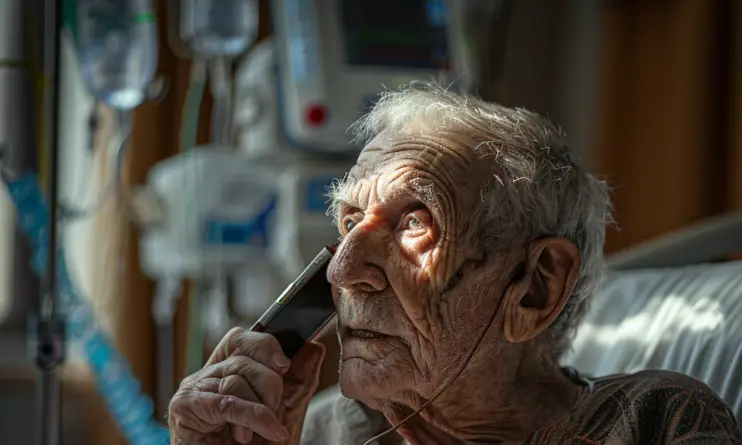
(218, 27)
(118, 49)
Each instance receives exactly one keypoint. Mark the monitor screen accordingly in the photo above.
(394, 33)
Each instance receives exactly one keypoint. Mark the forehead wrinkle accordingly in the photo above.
(420, 189)
(456, 148)
(449, 170)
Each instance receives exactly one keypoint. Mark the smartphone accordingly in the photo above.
(303, 309)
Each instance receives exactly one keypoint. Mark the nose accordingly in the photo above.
(358, 264)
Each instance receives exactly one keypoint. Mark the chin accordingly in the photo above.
(367, 382)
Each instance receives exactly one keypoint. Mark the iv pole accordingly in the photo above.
(50, 328)
(18, 141)
(18, 147)
(18, 154)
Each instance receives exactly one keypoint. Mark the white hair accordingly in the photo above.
(537, 188)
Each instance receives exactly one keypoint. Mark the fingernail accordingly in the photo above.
(281, 361)
(281, 432)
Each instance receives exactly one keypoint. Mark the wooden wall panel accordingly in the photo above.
(662, 126)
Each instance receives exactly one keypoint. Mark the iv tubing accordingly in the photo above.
(189, 125)
(220, 84)
(163, 310)
(192, 106)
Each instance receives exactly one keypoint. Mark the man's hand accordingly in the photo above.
(248, 392)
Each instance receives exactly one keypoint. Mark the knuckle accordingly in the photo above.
(190, 380)
(228, 403)
(181, 401)
(206, 384)
(234, 338)
(252, 342)
(236, 364)
(229, 385)
(267, 341)
(235, 334)
(177, 401)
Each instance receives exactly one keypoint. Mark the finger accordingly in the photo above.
(261, 347)
(302, 379)
(254, 416)
(241, 434)
(207, 384)
(196, 411)
(208, 412)
(265, 384)
(236, 385)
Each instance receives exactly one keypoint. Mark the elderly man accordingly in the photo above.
(471, 245)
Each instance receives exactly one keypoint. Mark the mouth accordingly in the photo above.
(365, 334)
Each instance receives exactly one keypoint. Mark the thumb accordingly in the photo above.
(302, 378)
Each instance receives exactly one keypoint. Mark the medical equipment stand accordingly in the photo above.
(50, 345)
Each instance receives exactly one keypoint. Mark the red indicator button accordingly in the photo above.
(316, 115)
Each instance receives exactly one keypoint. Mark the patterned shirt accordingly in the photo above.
(646, 408)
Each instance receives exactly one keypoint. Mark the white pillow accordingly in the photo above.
(685, 319)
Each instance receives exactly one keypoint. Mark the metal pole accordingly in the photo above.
(50, 352)
(18, 145)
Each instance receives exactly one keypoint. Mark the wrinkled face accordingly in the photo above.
(410, 298)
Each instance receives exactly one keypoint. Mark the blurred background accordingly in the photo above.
(649, 92)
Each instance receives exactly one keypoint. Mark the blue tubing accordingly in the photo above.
(131, 409)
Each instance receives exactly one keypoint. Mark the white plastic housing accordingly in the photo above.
(218, 215)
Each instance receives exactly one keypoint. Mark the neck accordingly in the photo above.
(491, 405)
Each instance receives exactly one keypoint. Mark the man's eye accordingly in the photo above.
(413, 223)
(348, 224)
(418, 220)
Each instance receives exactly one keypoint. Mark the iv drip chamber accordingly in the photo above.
(218, 27)
(118, 49)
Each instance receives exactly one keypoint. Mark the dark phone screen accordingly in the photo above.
(305, 314)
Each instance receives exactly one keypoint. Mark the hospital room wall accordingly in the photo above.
(667, 134)
(551, 64)
(649, 93)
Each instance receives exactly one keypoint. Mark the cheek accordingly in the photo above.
(335, 294)
(420, 306)
(410, 284)
(415, 247)
(431, 269)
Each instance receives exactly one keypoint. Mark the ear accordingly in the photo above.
(537, 297)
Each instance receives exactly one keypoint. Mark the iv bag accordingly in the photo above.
(118, 49)
(218, 27)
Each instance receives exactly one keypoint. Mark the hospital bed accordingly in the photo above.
(674, 303)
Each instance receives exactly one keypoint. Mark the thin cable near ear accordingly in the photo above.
(518, 270)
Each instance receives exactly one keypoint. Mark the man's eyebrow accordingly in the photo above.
(424, 192)
(340, 201)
